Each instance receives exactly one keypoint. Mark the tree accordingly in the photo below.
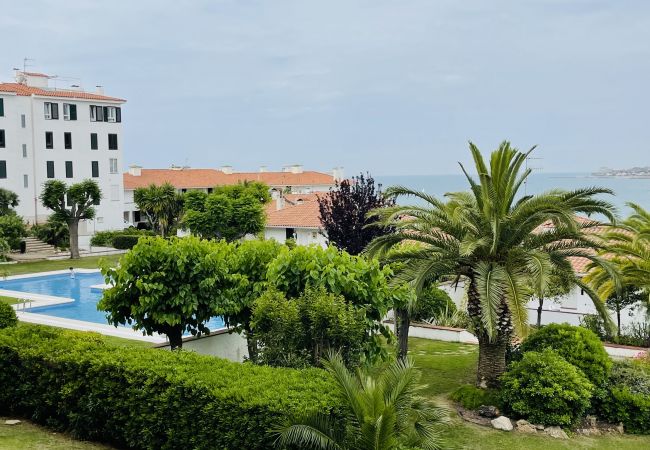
(12, 229)
(8, 201)
(361, 281)
(559, 285)
(344, 213)
(71, 204)
(618, 301)
(161, 205)
(229, 212)
(502, 245)
(380, 412)
(251, 260)
(171, 286)
(54, 232)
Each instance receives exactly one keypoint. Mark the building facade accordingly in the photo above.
(63, 134)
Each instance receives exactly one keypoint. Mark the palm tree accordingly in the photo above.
(162, 206)
(380, 413)
(503, 245)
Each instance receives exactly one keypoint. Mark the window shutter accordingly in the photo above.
(2, 107)
(55, 111)
(73, 112)
(3, 169)
(68, 169)
(118, 114)
(105, 113)
(50, 169)
(95, 169)
(2, 138)
(93, 141)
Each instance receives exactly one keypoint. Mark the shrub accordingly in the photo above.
(544, 388)
(12, 229)
(471, 397)
(125, 242)
(148, 398)
(433, 302)
(626, 397)
(7, 316)
(595, 323)
(105, 238)
(577, 345)
(54, 232)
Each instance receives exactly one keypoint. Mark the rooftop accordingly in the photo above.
(24, 90)
(299, 211)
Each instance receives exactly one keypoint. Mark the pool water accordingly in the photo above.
(85, 298)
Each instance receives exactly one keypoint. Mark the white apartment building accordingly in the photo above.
(66, 134)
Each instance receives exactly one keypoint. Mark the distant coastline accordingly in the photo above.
(634, 172)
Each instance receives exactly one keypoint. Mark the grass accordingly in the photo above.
(89, 262)
(29, 436)
(446, 366)
(9, 300)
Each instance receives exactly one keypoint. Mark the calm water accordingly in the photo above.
(85, 298)
(625, 189)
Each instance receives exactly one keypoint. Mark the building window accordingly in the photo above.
(136, 216)
(49, 139)
(69, 111)
(23, 121)
(97, 201)
(2, 107)
(2, 138)
(112, 141)
(115, 192)
(290, 233)
(96, 113)
(110, 114)
(127, 216)
(51, 111)
(68, 200)
(93, 141)
(112, 165)
(94, 165)
(67, 140)
(68, 169)
(50, 168)
(24, 150)
(3, 169)
(25, 181)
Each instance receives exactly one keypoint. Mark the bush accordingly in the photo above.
(626, 397)
(577, 345)
(125, 242)
(7, 316)
(544, 388)
(54, 232)
(595, 323)
(433, 302)
(147, 398)
(471, 397)
(105, 238)
(12, 229)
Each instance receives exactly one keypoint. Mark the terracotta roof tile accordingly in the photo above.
(207, 178)
(23, 90)
(302, 215)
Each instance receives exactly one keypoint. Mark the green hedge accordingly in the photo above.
(471, 397)
(125, 242)
(148, 398)
(105, 238)
(7, 316)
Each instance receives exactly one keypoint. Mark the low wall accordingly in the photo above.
(219, 343)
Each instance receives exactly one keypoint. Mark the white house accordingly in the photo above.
(295, 216)
(66, 134)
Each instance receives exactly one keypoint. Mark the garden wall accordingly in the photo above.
(219, 343)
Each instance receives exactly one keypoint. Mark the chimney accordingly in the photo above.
(134, 170)
(337, 173)
(99, 90)
(296, 168)
(263, 169)
(227, 170)
(279, 203)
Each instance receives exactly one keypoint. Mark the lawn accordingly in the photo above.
(89, 262)
(9, 300)
(28, 436)
(446, 366)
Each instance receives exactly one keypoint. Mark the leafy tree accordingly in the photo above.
(618, 301)
(381, 412)
(12, 229)
(559, 285)
(161, 205)
(362, 282)
(344, 213)
(229, 212)
(8, 201)
(251, 260)
(489, 239)
(71, 204)
(171, 286)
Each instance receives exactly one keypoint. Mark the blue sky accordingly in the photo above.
(394, 87)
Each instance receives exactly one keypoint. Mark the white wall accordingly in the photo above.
(224, 345)
(304, 236)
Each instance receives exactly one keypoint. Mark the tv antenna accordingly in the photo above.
(530, 158)
(27, 64)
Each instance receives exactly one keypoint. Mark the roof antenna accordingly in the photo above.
(25, 64)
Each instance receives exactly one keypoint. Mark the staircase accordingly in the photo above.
(36, 246)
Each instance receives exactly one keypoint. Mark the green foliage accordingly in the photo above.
(627, 397)
(105, 238)
(577, 345)
(383, 411)
(12, 229)
(125, 241)
(229, 212)
(595, 324)
(54, 232)
(362, 282)
(300, 331)
(433, 302)
(4, 249)
(161, 205)
(146, 398)
(171, 286)
(471, 397)
(544, 388)
(7, 316)
(8, 201)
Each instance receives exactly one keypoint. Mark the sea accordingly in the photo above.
(636, 190)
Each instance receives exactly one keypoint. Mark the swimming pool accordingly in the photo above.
(79, 289)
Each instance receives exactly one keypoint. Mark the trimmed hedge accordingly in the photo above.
(147, 398)
(125, 241)
(7, 316)
(579, 346)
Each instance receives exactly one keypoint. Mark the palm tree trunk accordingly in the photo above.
(539, 312)
(491, 360)
(73, 227)
(403, 320)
